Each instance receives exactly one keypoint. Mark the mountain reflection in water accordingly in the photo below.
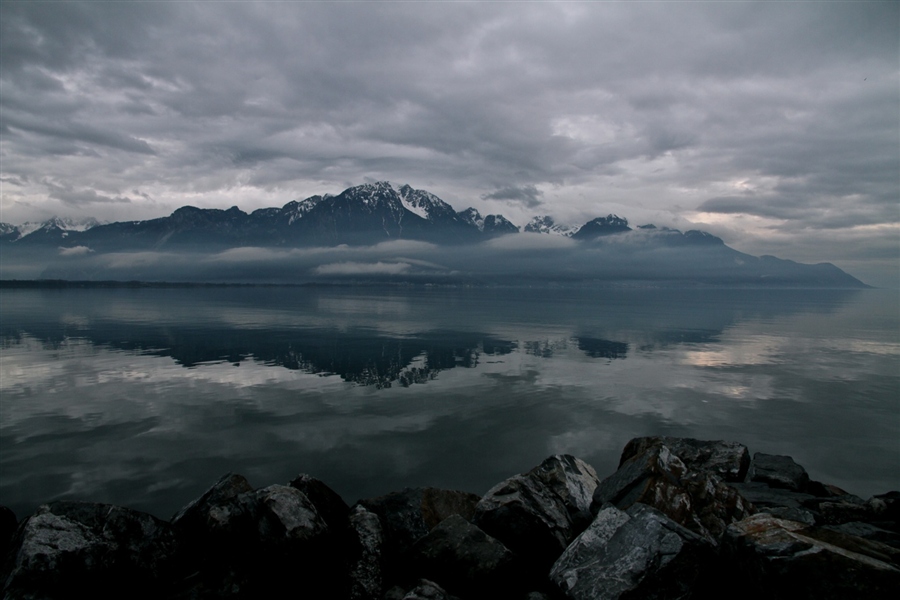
(145, 397)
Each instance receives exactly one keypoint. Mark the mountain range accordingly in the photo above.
(369, 215)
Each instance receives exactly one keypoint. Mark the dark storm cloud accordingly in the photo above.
(783, 111)
(526, 194)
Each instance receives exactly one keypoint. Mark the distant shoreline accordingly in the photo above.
(599, 285)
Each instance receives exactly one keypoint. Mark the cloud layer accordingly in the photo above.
(772, 125)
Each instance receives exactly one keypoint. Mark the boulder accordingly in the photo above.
(727, 460)
(191, 519)
(409, 514)
(638, 553)
(365, 554)
(251, 543)
(464, 560)
(776, 558)
(778, 472)
(330, 506)
(528, 518)
(657, 477)
(537, 514)
(428, 590)
(112, 551)
(574, 482)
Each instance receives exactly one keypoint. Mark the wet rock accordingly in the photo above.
(657, 477)
(868, 531)
(409, 514)
(528, 517)
(778, 472)
(330, 506)
(428, 590)
(775, 558)
(465, 560)
(365, 555)
(109, 550)
(192, 517)
(886, 507)
(727, 460)
(638, 553)
(765, 498)
(536, 514)
(250, 543)
(574, 482)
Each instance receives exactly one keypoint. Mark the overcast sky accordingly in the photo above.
(774, 125)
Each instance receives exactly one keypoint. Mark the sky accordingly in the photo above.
(774, 125)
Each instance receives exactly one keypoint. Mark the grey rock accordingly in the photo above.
(764, 497)
(868, 531)
(528, 517)
(638, 553)
(330, 506)
(428, 590)
(252, 543)
(776, 558)
(366, 560)
(727, 460)
(409, 514)
(779, 472)
(573, 481)
(465, 560)
(112, 551)
(657, 477)
(193, 516)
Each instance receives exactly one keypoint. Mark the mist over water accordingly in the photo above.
(145, 397)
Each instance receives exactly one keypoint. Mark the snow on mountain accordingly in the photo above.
(62, 223)
(425, 204)
(472, 217)
(297, 209)
(546, 224)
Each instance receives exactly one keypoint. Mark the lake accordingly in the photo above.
(144, 397)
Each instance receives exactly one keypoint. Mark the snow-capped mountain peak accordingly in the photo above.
(424, 204)
(472, 217)
(546, 224)
(61, 223)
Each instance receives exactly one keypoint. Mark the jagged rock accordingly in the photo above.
(528, 518)
(408, 515)
(638, 553)
(428, 590)
(537, 514)
(658, 478)
(778, 472)
(728, 460)
(776, 558)
(841, 509)
(464, 559)
(868, 531)
(574, 482)
(886, 507)
(765, 498)
(365, 560)
(109, 550)
(249, 543)
(192, 517)
(330, 506)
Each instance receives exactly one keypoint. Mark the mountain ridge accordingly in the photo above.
(371, 214)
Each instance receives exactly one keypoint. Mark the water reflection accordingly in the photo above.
(145, 397)
(379, 339)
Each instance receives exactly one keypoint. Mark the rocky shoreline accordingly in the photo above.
(680, 518)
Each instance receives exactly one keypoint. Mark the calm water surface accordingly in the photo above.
(144, 397)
